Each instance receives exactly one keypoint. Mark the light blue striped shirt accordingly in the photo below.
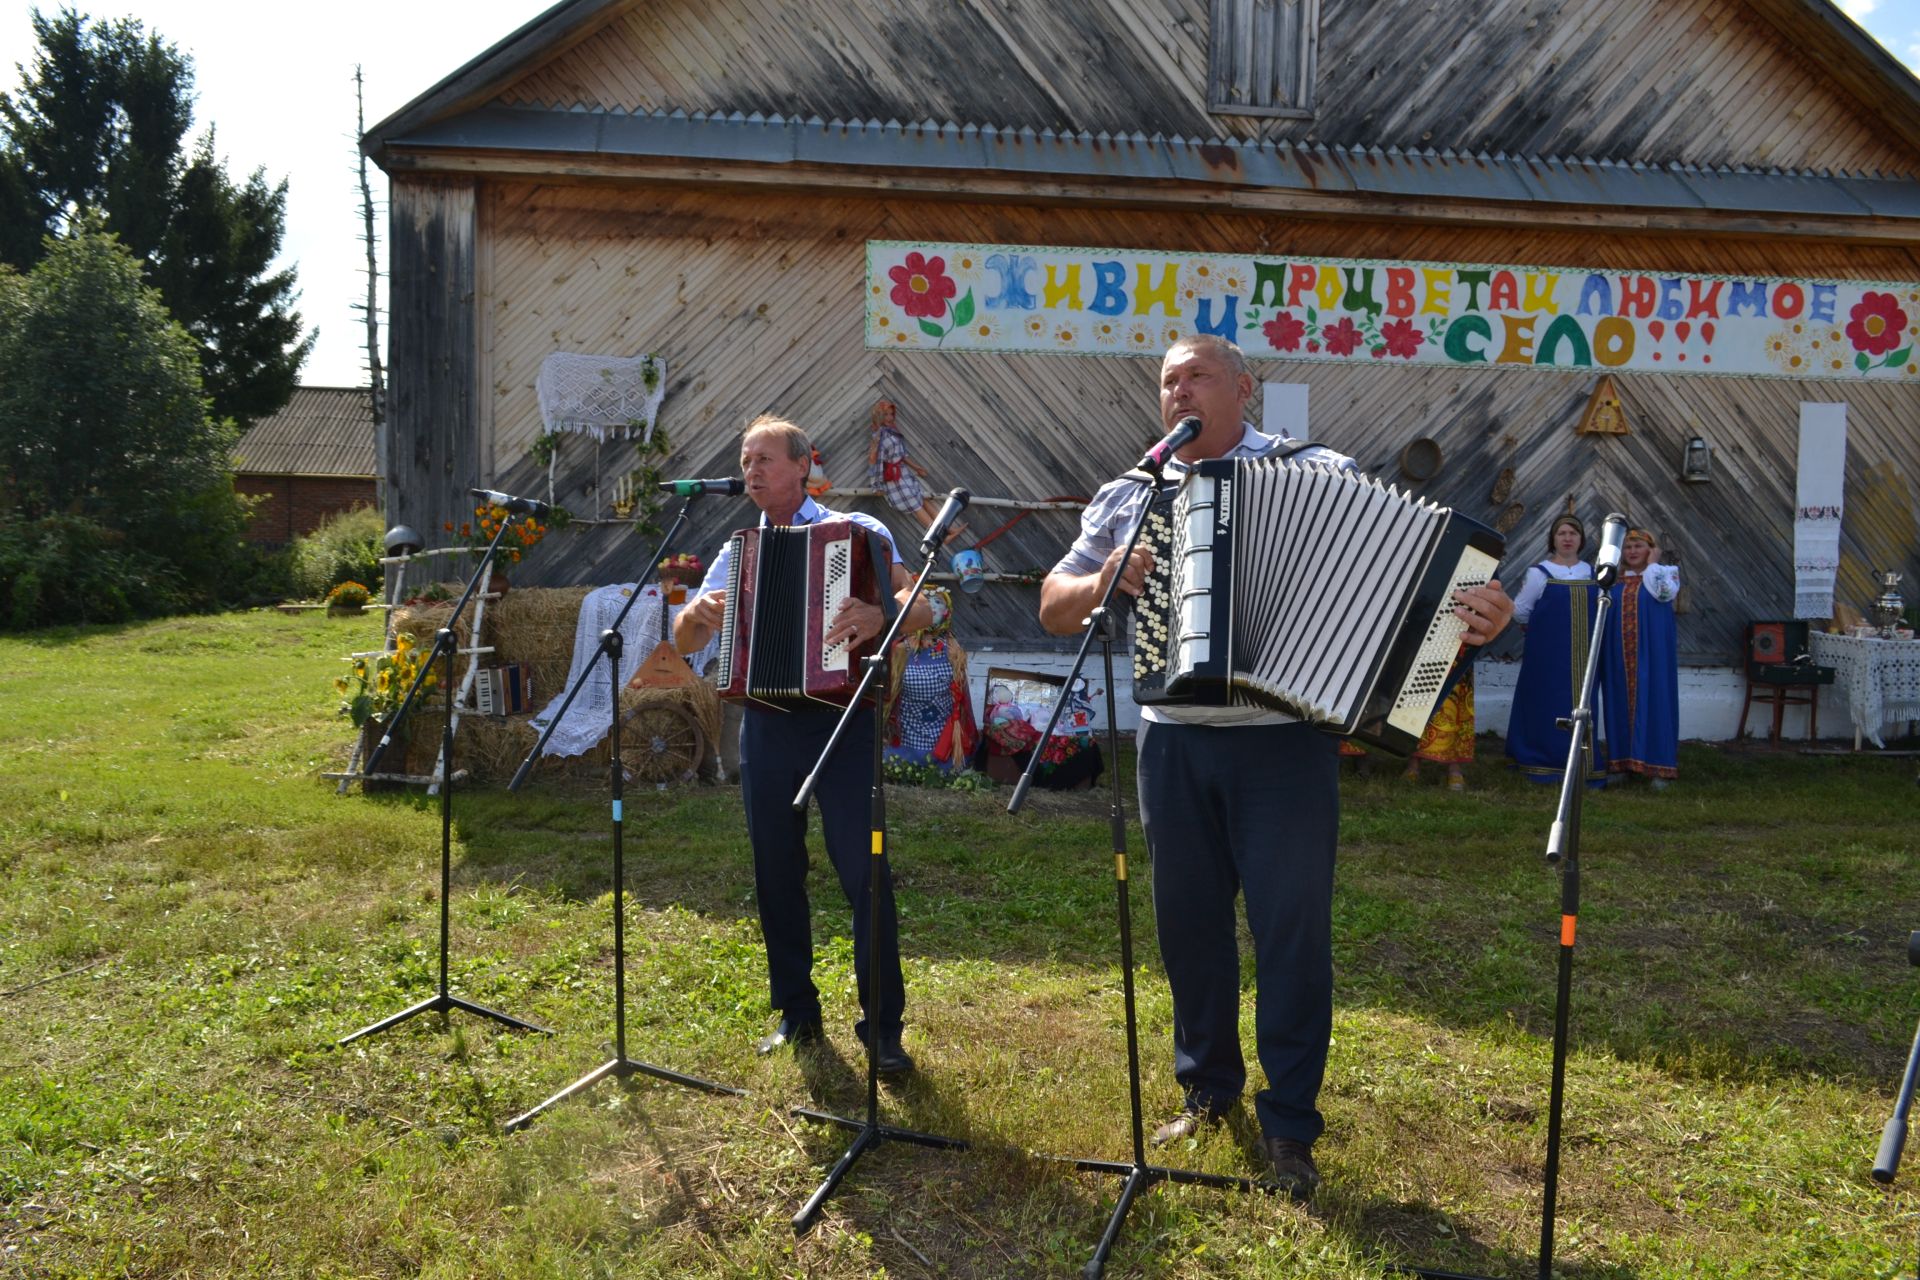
(810, 512)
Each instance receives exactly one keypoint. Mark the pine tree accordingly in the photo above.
(100, 126)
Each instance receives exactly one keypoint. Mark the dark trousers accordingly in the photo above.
(1251, 810)
(777, 751)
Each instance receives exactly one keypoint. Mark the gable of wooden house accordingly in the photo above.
(703, 182)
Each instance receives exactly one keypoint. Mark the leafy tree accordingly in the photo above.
(100, 125)
(111, 469)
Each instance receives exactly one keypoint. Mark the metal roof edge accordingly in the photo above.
(1391, 172)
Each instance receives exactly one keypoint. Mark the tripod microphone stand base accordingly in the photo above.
(1139, 1178)
(444, 1003)
(872, 1134)
(619, 1069)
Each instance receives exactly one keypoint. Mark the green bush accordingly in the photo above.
(66, 569)
(116, 489)
(204, 535)
(345, 548)
(259, 576)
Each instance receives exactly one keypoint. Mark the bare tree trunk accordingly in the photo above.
(376, 380)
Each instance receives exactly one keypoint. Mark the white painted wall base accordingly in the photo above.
(1710, 697)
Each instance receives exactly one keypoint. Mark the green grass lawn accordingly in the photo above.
(189, 917)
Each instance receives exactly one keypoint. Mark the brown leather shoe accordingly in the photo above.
(1293, 1169)
(1187, 1124)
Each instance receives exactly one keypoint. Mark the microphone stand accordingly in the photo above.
(1894, 1136)
(620, 1066)
(1563, 851)
(871, 1131)
(1103, 624)
(443, 1000)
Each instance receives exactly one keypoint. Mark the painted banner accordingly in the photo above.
(1107, 302)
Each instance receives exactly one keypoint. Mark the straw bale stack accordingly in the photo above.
(423, 621)
(535, 626)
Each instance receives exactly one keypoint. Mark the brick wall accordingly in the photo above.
(297, 504)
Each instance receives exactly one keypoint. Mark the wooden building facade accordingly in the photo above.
(707, 183)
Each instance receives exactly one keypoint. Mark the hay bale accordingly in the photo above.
(423, 621)
(491, 750)
(702, 702)
(535, 626)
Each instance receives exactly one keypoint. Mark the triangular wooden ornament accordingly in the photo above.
(663, 669)
(1605, 415)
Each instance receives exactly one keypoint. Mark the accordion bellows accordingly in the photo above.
(784, 584)
(1309, 589)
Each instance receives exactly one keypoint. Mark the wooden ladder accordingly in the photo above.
(396, 578)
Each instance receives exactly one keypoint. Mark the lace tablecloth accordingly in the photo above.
(647, 624)
(1881, 677)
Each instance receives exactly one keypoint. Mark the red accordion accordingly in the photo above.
(784, 584)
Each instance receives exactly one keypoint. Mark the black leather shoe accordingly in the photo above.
(1189, 1122)
(1293, 1168)
(791, 1030)
(892, 1060)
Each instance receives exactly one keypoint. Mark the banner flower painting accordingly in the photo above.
(970, 297)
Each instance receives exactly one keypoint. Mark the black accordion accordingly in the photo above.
(1308, 589)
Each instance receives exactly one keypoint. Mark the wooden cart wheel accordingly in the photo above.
(661, 744)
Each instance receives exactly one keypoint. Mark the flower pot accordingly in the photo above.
(345, 610)
(394, 761)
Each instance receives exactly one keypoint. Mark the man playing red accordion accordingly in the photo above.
(777, 751)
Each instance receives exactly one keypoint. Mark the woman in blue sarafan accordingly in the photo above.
(1556, 605)
(1641, 664)
(930, 717)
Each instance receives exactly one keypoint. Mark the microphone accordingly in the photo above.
(515, 506)
(1613, 535)
(733, 487)
(937, 531)
(1180, 437)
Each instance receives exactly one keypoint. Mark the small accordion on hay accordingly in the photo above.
(1305, 588)
(784, 584)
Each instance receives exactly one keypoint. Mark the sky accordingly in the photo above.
(276, 81)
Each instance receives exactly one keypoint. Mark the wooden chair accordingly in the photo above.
(1779, 671)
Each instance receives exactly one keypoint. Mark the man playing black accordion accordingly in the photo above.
(1234, 799)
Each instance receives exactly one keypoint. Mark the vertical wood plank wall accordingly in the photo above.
(756, 304)
(433, 445)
